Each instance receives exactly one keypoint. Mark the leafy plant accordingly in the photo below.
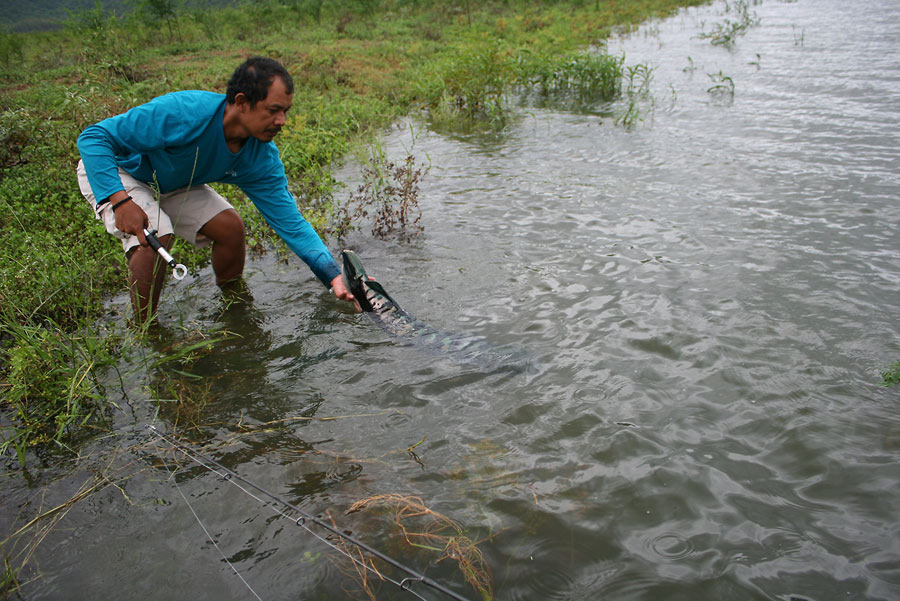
(637, 95)
(11, 49)
(891, 376)
(15, 132)
(309, 9)
(161, 11)
(470, 86)
(97, 19)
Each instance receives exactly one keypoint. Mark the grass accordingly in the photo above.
(52, 385)
(585, 76)
(358, 67)
(475, 87)
(723, 86)
(726, 32)
(891, 376)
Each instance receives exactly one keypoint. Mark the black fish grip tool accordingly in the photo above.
(178, 270)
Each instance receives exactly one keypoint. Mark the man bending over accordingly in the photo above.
(149, 168)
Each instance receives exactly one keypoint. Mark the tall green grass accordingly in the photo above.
(476, 86)
(586, 76)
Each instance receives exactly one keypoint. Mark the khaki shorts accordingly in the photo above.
(182, 212)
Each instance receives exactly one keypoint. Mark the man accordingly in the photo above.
(148, 168)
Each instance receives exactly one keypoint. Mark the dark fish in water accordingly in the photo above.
(375, 301)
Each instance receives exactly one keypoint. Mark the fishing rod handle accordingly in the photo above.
(178, 270)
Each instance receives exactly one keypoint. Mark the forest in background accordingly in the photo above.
(44, 15)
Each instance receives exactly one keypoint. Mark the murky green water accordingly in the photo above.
(705, 304)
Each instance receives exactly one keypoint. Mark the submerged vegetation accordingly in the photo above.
(891, 376)
(358, 66)
(723, 86)
(423, 528)
(726, 32)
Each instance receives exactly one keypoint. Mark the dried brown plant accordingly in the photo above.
(424, 528)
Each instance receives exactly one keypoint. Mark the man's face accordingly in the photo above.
(266, 119)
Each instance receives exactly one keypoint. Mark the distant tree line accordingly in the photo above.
(45, 15)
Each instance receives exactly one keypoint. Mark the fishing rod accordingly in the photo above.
(178, 270)
(233, 478)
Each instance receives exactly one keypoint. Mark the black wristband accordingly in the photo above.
(120, 203)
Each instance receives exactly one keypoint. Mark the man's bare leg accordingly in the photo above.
(229, 249)
(147, 272)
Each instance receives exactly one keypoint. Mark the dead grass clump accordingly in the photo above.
(423, 528)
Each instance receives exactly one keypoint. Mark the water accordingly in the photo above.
(706, 304)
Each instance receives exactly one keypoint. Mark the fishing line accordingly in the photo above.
(274, 502)
(205, 531)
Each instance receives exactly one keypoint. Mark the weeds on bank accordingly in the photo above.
(52, 386)
(388, 197)
(50, 353)
(471, 86)
(474, 87)
(586, 77)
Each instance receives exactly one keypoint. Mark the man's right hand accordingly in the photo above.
(130, 218)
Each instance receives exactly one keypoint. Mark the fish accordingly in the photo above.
(381, 307)
(374, 299)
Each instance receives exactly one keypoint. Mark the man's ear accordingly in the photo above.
(241, 102)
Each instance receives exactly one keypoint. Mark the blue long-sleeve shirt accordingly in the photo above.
(178, 140)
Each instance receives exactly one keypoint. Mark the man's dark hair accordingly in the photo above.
(254, 77)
